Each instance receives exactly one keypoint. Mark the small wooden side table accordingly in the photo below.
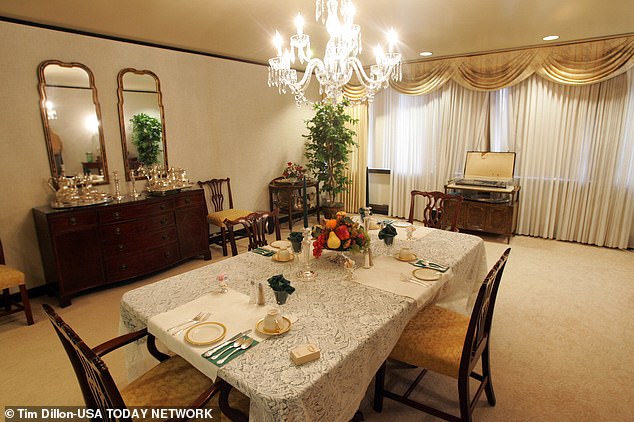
(289, 197)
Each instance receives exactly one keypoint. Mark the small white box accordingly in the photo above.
(305, 353)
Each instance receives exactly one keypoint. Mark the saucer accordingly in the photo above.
(402, 224)
(412, 257)
(277, 259)
(426, 274)
(279, 244)
(205, 333)
(285, 325)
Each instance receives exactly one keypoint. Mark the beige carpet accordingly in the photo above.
(562, 340)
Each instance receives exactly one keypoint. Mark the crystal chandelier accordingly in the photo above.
(340, 59)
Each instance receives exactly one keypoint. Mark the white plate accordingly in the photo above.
(281, 244)
(205, 333)
(402, 224)
(285, 325)
(426, 274)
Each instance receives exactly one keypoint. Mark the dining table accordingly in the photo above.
(353, 316)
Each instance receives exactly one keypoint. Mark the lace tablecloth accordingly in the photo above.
(355, 327)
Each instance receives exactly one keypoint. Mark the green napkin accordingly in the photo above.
(440, 268)
(387, 231)
(263, 252)
(280, 284)
(232, 357)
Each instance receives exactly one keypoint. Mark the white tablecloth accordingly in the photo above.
(354, 325)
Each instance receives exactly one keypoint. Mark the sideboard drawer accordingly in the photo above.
(72, 221)
(190, 199)
(110, 215)
(134, 244)
(131, 265)
(113, 232)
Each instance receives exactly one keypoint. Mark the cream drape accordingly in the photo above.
(424, 138)
(574, 64)
(574, 159)
(354, 198)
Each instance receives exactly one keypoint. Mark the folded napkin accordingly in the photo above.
(263, 252)
(387, 231)
(229, 349)
(432, 265)
(279, 284)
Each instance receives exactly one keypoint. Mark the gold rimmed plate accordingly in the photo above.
(426, 274)
(285, 326)
(278, 259)
(205, 333)
(279, 244)
(411, 258)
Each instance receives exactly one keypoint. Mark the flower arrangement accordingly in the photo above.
(294, 170)
(340, 234)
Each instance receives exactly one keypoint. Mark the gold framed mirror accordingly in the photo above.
(141, 120)
(71, 117)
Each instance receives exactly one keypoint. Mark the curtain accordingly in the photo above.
(423, 139)
(574, 148)
(355, 198)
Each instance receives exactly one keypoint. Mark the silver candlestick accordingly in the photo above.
(117, 192)
(134, 193)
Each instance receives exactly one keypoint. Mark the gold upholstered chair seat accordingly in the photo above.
(218, 218)
(433, 339)
(9, 278)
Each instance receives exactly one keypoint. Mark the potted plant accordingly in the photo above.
(146, 137)
(328, 144)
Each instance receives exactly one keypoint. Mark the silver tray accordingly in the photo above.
(60, 205)
(167, 190)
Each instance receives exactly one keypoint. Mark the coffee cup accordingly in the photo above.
(406, 253)
(272, 320)
(283, 254)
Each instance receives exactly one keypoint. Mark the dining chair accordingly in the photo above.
(171, 383)
(256, 225)
(451, 344)
(10, 277)
(215, 190)
(441, 210)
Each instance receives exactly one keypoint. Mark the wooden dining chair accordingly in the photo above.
(451, 344)
(441, 210)
(256, 225)
(172, 383)
(215, 190)
(10, 277)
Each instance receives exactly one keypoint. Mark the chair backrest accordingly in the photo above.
(437, 214)
(97, 386)
(214, 193)
(2, 262)
(477, 338)
(257, 225)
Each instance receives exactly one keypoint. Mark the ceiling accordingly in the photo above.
(244, 29)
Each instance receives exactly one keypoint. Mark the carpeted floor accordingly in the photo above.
(562, 340)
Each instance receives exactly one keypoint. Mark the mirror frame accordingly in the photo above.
(46, 126)
(122, 123)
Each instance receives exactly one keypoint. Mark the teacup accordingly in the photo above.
(272, 320)
(406, 254)
(283, 254)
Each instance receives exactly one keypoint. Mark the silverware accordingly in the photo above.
(423, 263)
(215, 349)
(191, 324)
(196, 318)
(235, 345)
(248, 341)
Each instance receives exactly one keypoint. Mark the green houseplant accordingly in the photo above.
(328, 143)
(146, 137)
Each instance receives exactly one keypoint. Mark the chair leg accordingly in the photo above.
(232, 240)
(6, 298)
(223, 235)
(26, 304)
(379, 388)
(465, 399)
(486, 374)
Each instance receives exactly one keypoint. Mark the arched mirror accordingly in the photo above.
(71, 117)
(142, 120)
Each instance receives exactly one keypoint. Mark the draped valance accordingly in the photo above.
(573, 64)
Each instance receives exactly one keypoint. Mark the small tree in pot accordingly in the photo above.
(328, 144)
(146, 137)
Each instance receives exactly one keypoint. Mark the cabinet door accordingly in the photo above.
(191, 224)
(500, 220)
(475, 216)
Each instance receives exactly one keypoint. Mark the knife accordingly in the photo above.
(215, 349)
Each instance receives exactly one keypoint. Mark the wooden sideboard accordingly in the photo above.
(93, 246)
(487, 210)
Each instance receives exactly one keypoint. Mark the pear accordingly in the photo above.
(333, 241)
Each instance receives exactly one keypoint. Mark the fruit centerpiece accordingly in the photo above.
(340, 234)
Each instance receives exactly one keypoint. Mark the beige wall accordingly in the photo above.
(221, 120)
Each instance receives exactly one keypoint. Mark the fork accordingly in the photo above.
(248, 341)
(193, 319)
(199, 318)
